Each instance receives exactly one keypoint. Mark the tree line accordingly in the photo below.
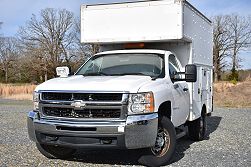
(231, 34)
(52, 39)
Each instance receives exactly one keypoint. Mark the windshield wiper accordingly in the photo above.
(95, 74)
(136, 73)
(155, 77)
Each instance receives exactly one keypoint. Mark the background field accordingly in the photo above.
(237, 95)
(226, 94)
(16, 91)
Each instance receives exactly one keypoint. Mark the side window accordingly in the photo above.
(173, 60)
(173, 68)
(172, 71)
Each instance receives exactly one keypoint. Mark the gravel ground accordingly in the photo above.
(228, 143)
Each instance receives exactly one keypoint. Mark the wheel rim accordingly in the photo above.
(162, 143)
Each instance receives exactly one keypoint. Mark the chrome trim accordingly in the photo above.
(80, 120)
(81, 124)
(122, 104)
(81, 91)
(39, 96)
(44, 116)
(125, 98)
(136, 118)
(86, 107)
(55, 118)
(86, 102)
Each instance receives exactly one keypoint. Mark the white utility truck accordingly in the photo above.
(150, 84)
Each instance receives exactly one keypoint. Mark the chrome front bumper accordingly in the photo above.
(137, 131)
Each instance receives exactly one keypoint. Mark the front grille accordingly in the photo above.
(82, 96)
(83, 113)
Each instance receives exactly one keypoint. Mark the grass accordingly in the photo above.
(17, 91)
(226, 94)
(237, 95)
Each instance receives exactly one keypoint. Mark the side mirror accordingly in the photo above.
(62, 71)
(191, 73)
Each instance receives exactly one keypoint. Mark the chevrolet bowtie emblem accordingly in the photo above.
(90, 97)
(78, 104)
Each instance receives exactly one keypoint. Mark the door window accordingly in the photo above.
(173, 68)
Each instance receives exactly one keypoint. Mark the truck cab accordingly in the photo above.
(138, 92)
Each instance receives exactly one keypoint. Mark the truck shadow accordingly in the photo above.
(130, 157)
(184, 143)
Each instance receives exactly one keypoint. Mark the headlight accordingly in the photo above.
(36, 101)
(141, 103)
(35, 97)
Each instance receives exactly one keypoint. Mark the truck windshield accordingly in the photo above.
(124, 64)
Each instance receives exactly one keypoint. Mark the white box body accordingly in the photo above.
(168, 21)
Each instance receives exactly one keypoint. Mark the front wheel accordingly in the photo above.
(161, 153)
(53, 152)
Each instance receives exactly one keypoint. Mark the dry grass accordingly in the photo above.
(229, 95)
(18, 92)
(226, 94)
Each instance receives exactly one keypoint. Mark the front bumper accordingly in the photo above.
(137, 131)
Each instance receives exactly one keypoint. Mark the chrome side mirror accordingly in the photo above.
(62, 72)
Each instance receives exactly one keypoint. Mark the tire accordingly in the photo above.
(197, 128)
(55, 152)
(161, 153)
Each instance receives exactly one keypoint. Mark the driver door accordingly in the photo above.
(180, 94)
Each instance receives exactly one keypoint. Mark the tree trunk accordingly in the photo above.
(45, 76)
(6, 75)
(234, 60)
(217, 70)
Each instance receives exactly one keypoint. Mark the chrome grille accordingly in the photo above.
(64, 105)
(82, 96)
(83, 113)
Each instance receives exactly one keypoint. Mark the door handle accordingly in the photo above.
(176, 86)
(185, 89)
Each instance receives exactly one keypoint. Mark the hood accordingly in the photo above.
(128, 83)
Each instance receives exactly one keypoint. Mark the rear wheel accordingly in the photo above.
(161, 153)
(53, 152)
(197, 128)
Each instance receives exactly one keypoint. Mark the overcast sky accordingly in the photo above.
(14, 13)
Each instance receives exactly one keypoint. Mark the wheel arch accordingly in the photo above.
(165, 109)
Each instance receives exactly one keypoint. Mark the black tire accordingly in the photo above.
(55, 152)
(197, 128)
(161, 153)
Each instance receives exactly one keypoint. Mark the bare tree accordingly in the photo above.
(240, 33)
(86, 50)
(8, 54)
(222, 45)
(232, 33)
(50, 36)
